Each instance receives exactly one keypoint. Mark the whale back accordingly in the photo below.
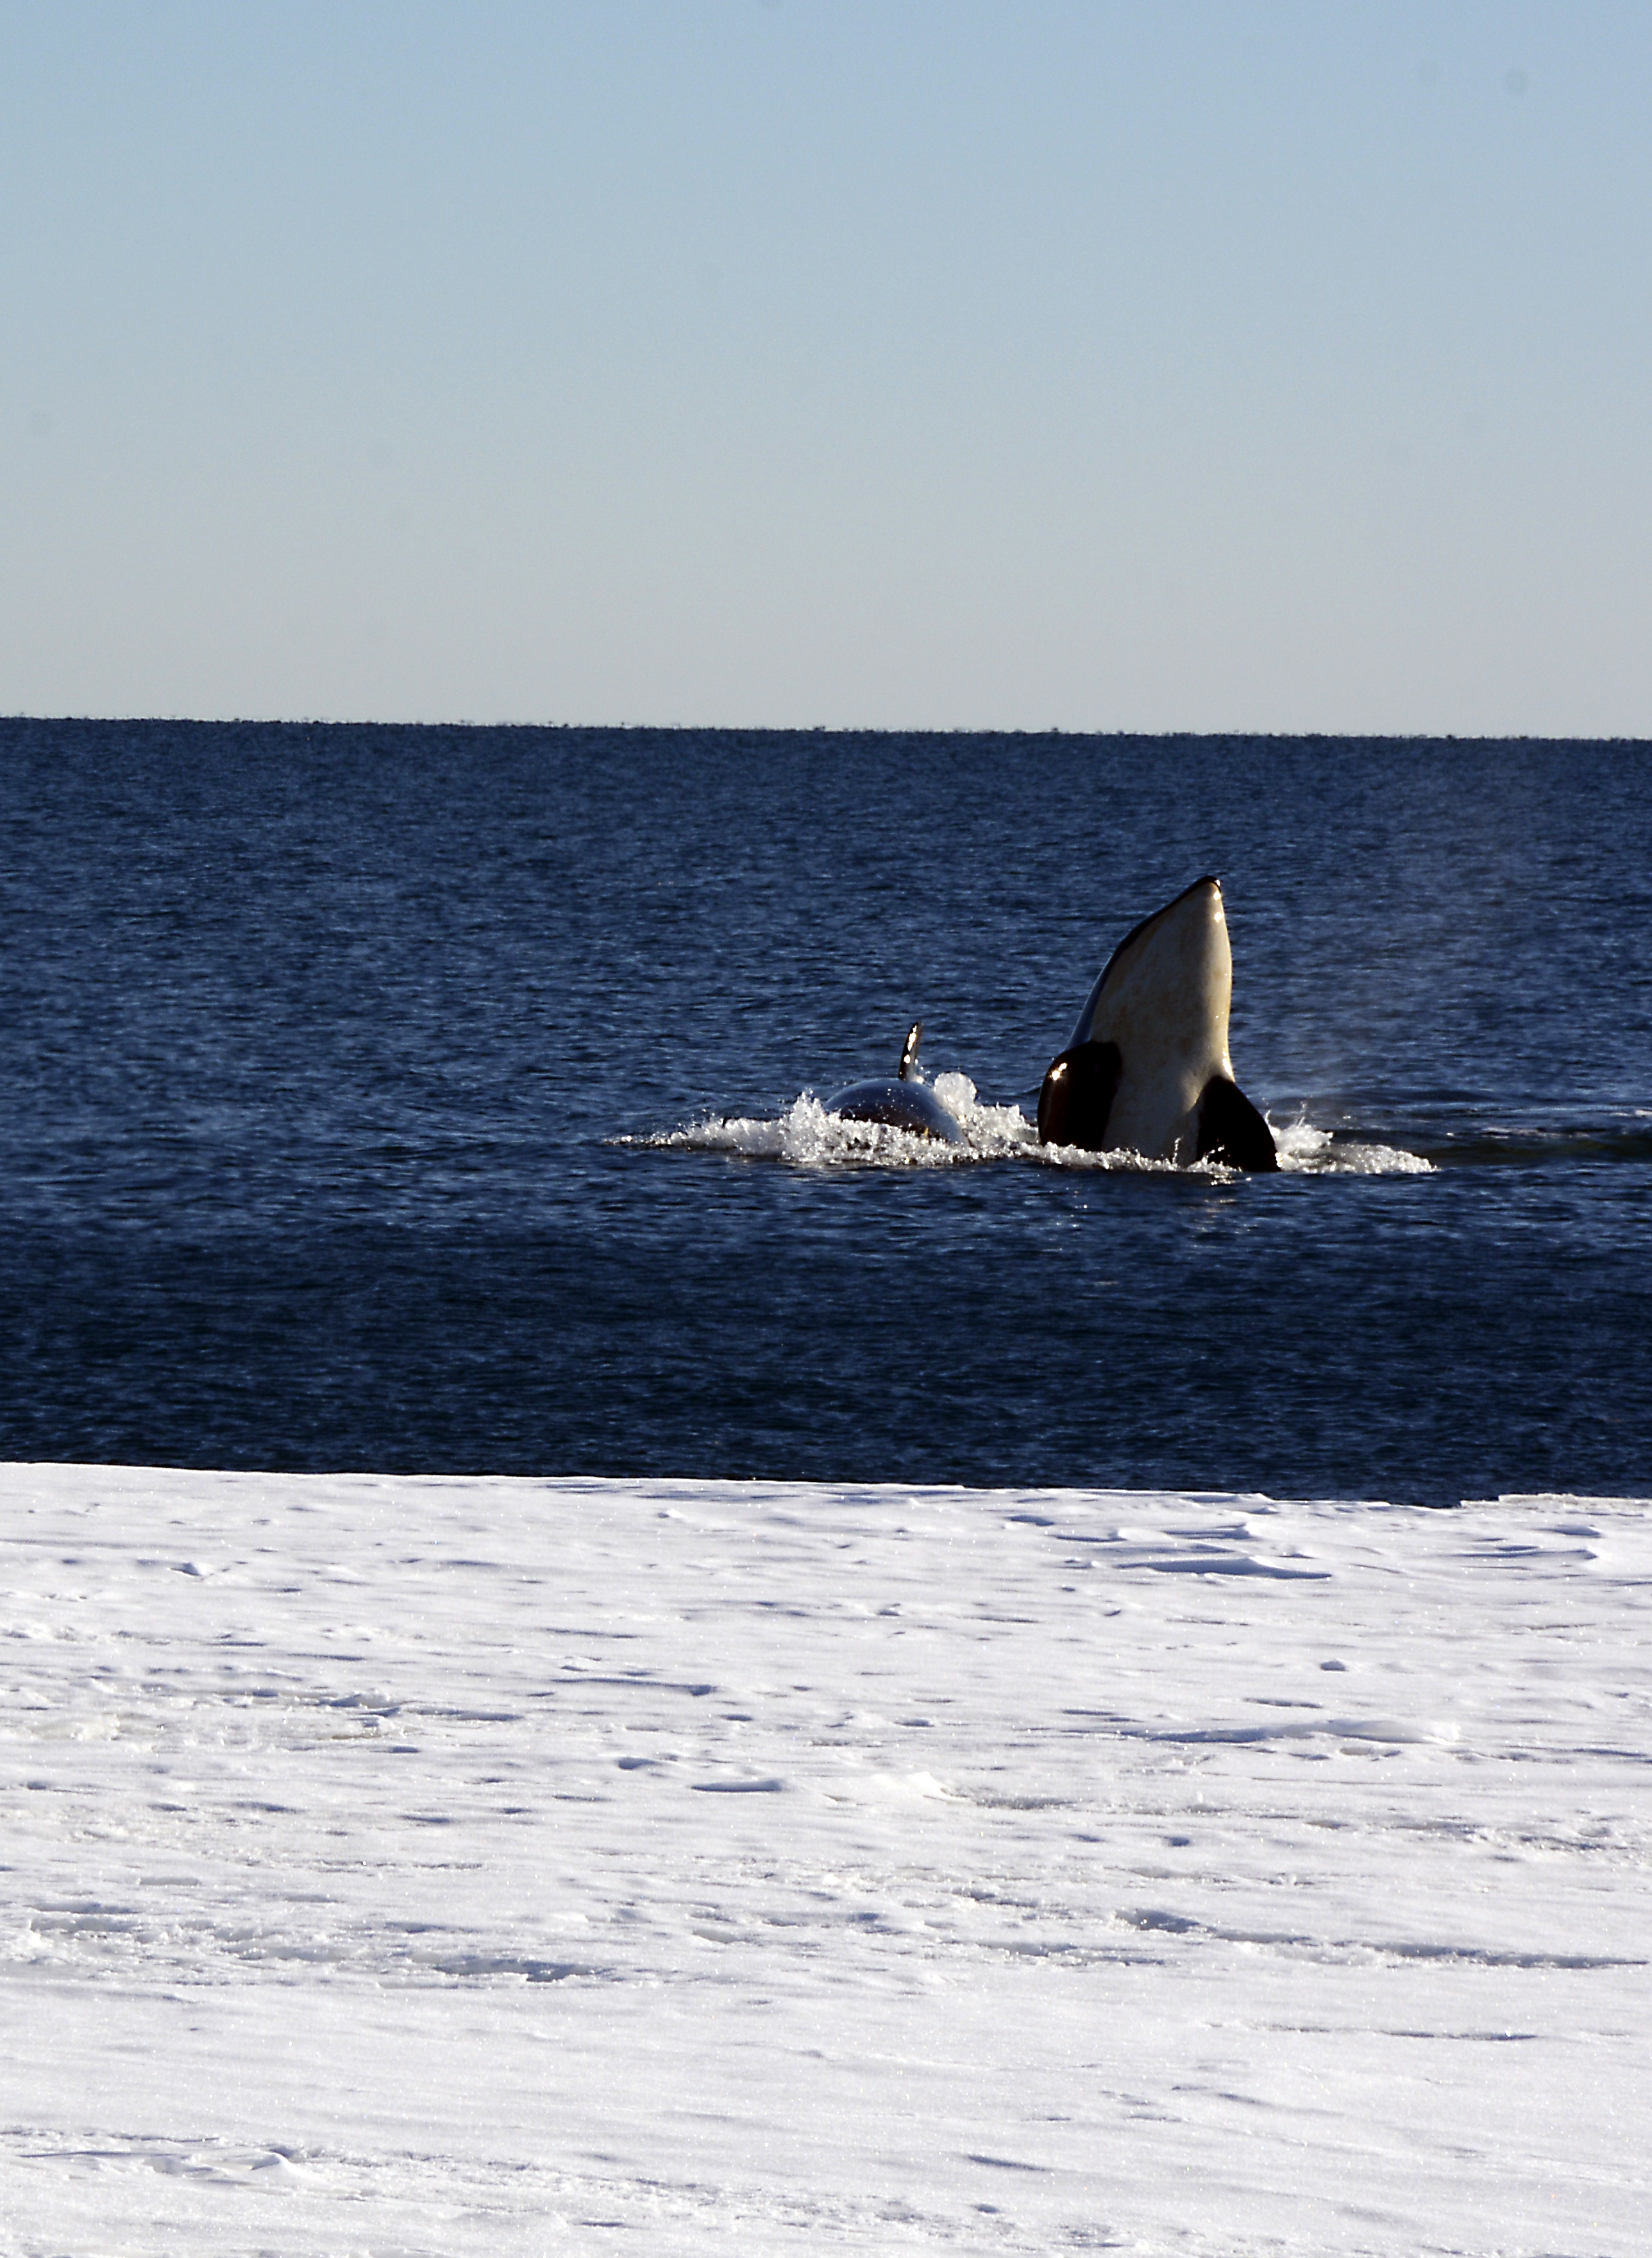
(903, 1103)
(910, 1105)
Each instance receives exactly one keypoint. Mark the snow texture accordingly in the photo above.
(413, 1866)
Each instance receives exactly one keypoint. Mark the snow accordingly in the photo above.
(417, 1866)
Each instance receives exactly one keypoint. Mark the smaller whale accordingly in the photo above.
(1147, 1069)
(902, 1103)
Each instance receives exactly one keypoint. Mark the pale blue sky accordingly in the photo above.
(1172, 365)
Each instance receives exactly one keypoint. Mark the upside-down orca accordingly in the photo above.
(902, 1103)
(1147, 1069)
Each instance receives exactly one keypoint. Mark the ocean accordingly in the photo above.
(441, 1100)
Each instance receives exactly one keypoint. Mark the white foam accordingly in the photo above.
(807, 1136)
(1305, 1151)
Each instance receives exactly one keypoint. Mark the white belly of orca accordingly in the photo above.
(1147, 1069)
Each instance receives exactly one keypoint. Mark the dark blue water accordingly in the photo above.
(320, 1046)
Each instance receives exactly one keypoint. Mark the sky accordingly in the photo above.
(1215, 365)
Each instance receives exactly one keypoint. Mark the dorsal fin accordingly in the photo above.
(909, 1049)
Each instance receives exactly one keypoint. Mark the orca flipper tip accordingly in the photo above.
(1231, 1131)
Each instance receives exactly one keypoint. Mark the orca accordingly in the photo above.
(1147, 1069)
(902, 1103)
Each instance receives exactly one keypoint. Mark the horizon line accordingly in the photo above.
(823, 729)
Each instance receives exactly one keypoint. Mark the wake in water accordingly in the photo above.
(1625, 1137)
(807, 1136)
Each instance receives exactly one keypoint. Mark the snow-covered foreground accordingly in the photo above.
(473, 1866)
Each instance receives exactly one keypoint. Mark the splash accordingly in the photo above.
(806, 1136)
(1305, 1151)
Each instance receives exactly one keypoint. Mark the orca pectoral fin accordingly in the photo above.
(1077, 1096)
(1231, 1129)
